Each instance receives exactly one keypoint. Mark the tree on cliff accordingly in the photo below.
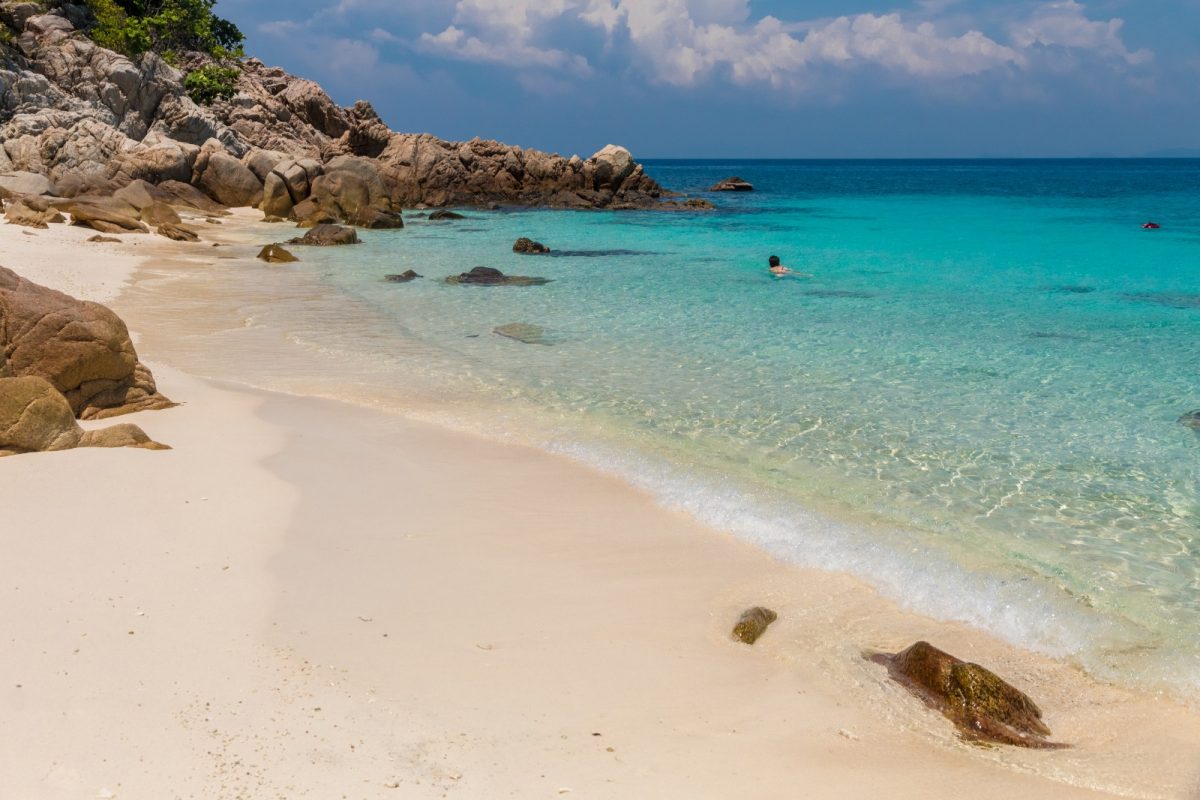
(171, 27)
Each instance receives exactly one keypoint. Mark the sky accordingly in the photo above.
(757, 78)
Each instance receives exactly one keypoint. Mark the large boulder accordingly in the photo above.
(19, 184)
(230, 182)
(352, 190)
(105, 214)
(83, 349)
(488, 276)
(35, 417)
(612, 164)
(326, 235)
(18, 212)
(976, 700)
(186, 196)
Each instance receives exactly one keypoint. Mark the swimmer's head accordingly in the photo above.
(773, 261)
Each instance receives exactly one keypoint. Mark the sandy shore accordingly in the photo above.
(310, 599)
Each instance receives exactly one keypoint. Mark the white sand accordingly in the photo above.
(309, 599)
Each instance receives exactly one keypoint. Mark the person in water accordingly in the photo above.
(779, 269)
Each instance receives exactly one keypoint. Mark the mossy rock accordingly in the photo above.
(753, 624)
(982, 705)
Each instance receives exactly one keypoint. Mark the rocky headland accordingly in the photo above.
(78, 120)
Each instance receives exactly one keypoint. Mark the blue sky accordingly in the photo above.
(757, 78)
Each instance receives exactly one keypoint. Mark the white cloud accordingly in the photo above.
(1065, 24)
(688, 42)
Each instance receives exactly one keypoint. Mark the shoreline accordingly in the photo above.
(635, 590)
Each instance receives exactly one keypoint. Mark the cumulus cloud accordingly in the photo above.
(687, 42)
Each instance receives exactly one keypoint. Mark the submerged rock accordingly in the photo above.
(522, 332)
(753, 624)
(327, 235)
(529, 247)
(732, 184)
(487, 276)
(1191, 420)
(976, 700)
(443, 214)
(403, 277)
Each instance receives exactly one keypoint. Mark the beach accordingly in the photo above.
(306, 597)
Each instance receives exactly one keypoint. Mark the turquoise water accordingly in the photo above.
(973, 403)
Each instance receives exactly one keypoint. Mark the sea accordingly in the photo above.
(974, 399)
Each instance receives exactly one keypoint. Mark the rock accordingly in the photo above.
(325, 235)
(35, 417)
(529, 247)
(106, 215)
(47, 23)
(695, 203)
(487, 276)
(189, 197)
(403, 277)
(522, 332)
(612, 165)
(1191, 420)
(101, 238)
(734, 184)
(274, 254)
(140, 195)
(18, 184)
(262, 162)
(978, 702)
(83, 349)
(443, 214)
(178, 233)
(230, 182)
(753, 623)
(18, 213)
(352, 191)
(157, 213)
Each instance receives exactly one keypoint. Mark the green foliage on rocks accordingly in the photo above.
(134, 26)
(211, 82)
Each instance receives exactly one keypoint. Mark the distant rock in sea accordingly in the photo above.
(487, 276)
(733, 184)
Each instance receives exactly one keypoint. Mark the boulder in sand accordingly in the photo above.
(274, 254)
(83, 349)
(733, 184)
(105, 214)
(230, 182)
(327, 235)
(19, 213)
(982, 706)
(529, 247)
(487, 276)
(35, 417)
(178, 233)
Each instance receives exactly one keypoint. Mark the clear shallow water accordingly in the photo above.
(973, 403)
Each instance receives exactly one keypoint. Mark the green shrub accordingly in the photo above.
(211, 81)
(134, 26)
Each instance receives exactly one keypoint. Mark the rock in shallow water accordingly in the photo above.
(327, 235)
(1191, 420)
(529, 247)
(982, 706)
(522, 332)
(443, 214)
(403, 277)
(487, 276)
(753, 624)
(274, 254)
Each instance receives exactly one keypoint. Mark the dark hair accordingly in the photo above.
(773, 261)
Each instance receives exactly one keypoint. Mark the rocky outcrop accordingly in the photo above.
(35, 417)
(529, 247)
(487, 276)
(753, 623)
(88, 120)
(734, 184)
(325, 235)
(976, 700)
(83, 349)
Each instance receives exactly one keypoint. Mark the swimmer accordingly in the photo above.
(779, 270)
